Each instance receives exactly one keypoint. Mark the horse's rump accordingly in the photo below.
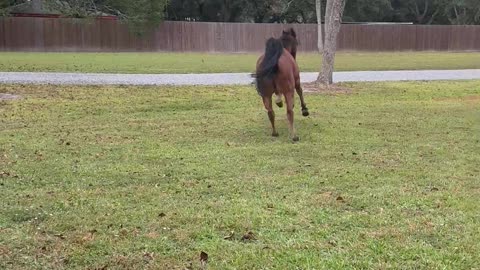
(267, 65)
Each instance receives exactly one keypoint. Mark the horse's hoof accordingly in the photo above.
(280, 104)
(274, 134)
(296, 139)
(305, 112)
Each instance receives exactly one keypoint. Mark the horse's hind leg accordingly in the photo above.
(267, 102)
(278, 100)
(278, 96)
(298, 88)
(291, 128)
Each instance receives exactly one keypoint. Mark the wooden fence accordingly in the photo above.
(65, 34)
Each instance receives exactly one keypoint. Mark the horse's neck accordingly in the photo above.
(292, 52)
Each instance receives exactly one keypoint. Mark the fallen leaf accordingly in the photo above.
(189, 266)
(59, 235)
(203, 259)
(203, 256)
(88, 237)
(248, 236)
(123, 232)
(326, 195)
(229, 236)
(429, 224)
(152, 235)
(105, 267)
(148, 256)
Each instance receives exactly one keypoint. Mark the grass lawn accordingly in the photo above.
(212, 63)
(148, 177)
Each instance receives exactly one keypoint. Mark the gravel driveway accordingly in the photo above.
(225, 78)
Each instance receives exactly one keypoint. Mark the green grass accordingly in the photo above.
(212, 63)
(385, 177)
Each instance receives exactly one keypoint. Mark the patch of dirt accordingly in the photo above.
(384, 233)
(4, 96)
(5, 251)
(329, 90)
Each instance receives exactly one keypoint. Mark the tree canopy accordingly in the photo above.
(141, 13)
(303, 11)
(149, 12)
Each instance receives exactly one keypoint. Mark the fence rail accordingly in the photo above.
(66, 34)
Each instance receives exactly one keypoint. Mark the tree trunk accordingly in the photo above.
(333, 21)
(328, 12)
(318, 5)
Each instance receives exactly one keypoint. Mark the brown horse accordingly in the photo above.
(290, 43)
(277, 72)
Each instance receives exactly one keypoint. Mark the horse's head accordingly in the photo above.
(290, 32)
(289, 40)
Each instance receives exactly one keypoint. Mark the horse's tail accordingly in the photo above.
(269, 66)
